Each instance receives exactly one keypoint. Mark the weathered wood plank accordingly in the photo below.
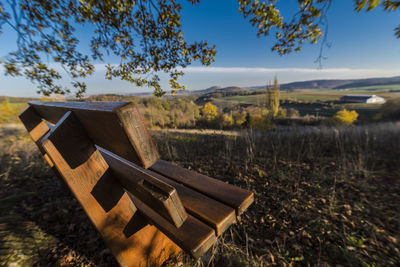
(37, 128)
(235, 197)
(213, 213)
(125, 231)
(158, 195)
(122, 198)
(116, 126)
(193, 236)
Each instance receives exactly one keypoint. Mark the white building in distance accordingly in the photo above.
(363, 99)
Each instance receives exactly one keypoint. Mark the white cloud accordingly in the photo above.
(340, 71)
(203, 77)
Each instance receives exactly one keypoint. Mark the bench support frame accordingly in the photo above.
(128, 234)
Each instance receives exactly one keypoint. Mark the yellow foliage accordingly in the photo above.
(7, 112)
(239, 118)
(273, 98)
(345, 116)
(258, 121)
(227, 120)
(47, 99)
(209, 111)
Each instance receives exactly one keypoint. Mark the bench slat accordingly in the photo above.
(233, 196)
(208, 210)
(157, 194)
(212, 212)
(193, 236)
(116, 126)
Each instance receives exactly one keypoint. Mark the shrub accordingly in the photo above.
(282, 113)
(390, 110)
(259, 122)
(345, 117)
(227, 120)
(293, 113)
(239, 118)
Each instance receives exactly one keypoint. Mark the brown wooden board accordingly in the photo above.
(213, 213)
(194, 236)
(158, 195)
(37, 128)
(235, 197)
(126, 232)
(116, 126)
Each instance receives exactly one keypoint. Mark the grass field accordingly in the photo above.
(323, 103)
(323, 197)
(17, 105)
(308, 95)
(303, 96)
(366, 111)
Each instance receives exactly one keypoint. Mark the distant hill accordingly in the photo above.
(370, 82)
(219, 90)
(208, 94)
(335, 84)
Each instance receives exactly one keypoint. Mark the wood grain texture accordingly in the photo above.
(37, 129)
(106, 203)
(193, 236)
(213, 213)
(116, 126)
(140, 213)
(235, 197)
(161, 197)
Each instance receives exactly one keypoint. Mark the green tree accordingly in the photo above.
(308, 25)
(273, 98)
(146, 35)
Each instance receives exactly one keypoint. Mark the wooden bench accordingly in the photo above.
(147, 210)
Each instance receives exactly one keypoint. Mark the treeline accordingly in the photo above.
(183, 112)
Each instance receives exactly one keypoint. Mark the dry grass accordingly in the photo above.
(324, 196)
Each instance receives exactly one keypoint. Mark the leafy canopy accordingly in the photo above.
(209, 111)
(146, 35)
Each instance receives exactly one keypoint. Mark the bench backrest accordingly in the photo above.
(115, 126)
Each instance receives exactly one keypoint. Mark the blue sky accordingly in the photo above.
(363, 45)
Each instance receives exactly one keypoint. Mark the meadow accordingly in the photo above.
(318, 103)
(323, 196)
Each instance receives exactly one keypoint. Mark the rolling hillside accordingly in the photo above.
(313, 84)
